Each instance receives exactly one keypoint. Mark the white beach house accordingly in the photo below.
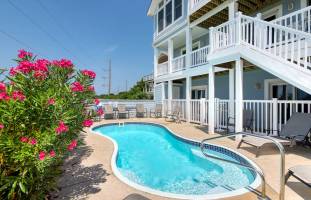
(214, 58)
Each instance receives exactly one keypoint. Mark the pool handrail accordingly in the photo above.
(259, 171)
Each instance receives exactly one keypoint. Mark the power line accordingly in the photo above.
(21, 42)
(61, 27)
(43, 30)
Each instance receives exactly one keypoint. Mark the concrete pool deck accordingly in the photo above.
(88, 174)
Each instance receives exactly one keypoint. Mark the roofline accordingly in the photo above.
(152, 7)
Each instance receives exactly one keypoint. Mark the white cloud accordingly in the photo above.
(111, 48)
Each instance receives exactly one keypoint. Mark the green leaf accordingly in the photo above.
(22, 187)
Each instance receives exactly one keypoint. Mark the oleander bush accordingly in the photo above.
(43, 108)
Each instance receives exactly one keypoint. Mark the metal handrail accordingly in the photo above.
(260, 172)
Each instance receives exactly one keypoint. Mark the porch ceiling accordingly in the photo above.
(247, 7)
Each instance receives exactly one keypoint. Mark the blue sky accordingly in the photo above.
(87, 32)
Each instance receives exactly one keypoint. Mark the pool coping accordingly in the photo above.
(254, 185)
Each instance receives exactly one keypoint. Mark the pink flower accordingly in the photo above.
(18, 95)
(41, 65)
(87, 123)
(100, 111)
(91, 88)
(2, 87)
(89, 73)
(51, 101)
(52, 153)
(25, 67)
(24, 139)
(41, 155)
(13, 71)
(4, 96)
(96, 101)
(1, 126)
(62, 128)
(63, 63)
(72, 145)
(40, 75)
(33, 141)
(22, 54)
(77, 87)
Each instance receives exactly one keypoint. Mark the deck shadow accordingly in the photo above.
(135, 196)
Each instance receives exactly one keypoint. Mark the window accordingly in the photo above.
(160, 20)
(168, 13)
(178, 9)
(195, 46)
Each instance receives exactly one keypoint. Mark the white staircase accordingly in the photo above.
(283, 51)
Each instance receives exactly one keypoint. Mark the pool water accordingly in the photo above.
(149, 155)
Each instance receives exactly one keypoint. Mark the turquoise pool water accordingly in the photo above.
(149, 155)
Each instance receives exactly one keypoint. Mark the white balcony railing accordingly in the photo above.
(179, 63)
(199, 56)
(299, 20)
(268, 115)
(195, 5)
(162, 69)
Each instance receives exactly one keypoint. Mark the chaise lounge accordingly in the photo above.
(296, 129)
(300, 172)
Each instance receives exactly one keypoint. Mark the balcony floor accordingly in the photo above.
(91, 176)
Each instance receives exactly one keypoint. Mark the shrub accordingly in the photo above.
(42, 111)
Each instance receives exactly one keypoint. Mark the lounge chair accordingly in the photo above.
(248, 119)
(297, 128)
(108, 111)
(173, 115)
(140, 111)
(122, 112)
(157, 112)
(300, 172)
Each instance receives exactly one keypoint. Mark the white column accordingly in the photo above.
(233, 8)
(163, 91)
(211, 99)
(239, 95)
(231, 93)
(170, 54)
(155, 61)
(188, 46)
(188, 96)
(170, 94)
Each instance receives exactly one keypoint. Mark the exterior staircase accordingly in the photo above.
(281, 47)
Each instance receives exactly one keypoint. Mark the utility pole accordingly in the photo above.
(109, 83)
(108, 77)
(126, 86)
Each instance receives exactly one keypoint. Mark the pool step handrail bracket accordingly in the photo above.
(258, 171)
(121, 124)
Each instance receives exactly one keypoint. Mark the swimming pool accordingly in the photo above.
(151, 158)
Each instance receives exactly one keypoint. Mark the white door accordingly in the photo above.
(176, 92)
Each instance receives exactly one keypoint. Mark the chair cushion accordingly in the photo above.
(298, 124)
(303, 172)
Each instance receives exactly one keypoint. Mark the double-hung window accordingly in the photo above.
(168, 12)
(161, 20)
(177, 9)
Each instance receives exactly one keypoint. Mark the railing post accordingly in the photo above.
(238, 29)
(188, 97)
(275, 115)
(202, 111)
(211, 39)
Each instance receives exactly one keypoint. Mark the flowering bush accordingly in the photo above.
(42, 111)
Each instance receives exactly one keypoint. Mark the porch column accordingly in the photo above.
(188, 97)
(231, 93)
(170, 54)
(188, 46)
(239, 95)
(211, 99)
(233, 8)
(155, 61)
(170, 94)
